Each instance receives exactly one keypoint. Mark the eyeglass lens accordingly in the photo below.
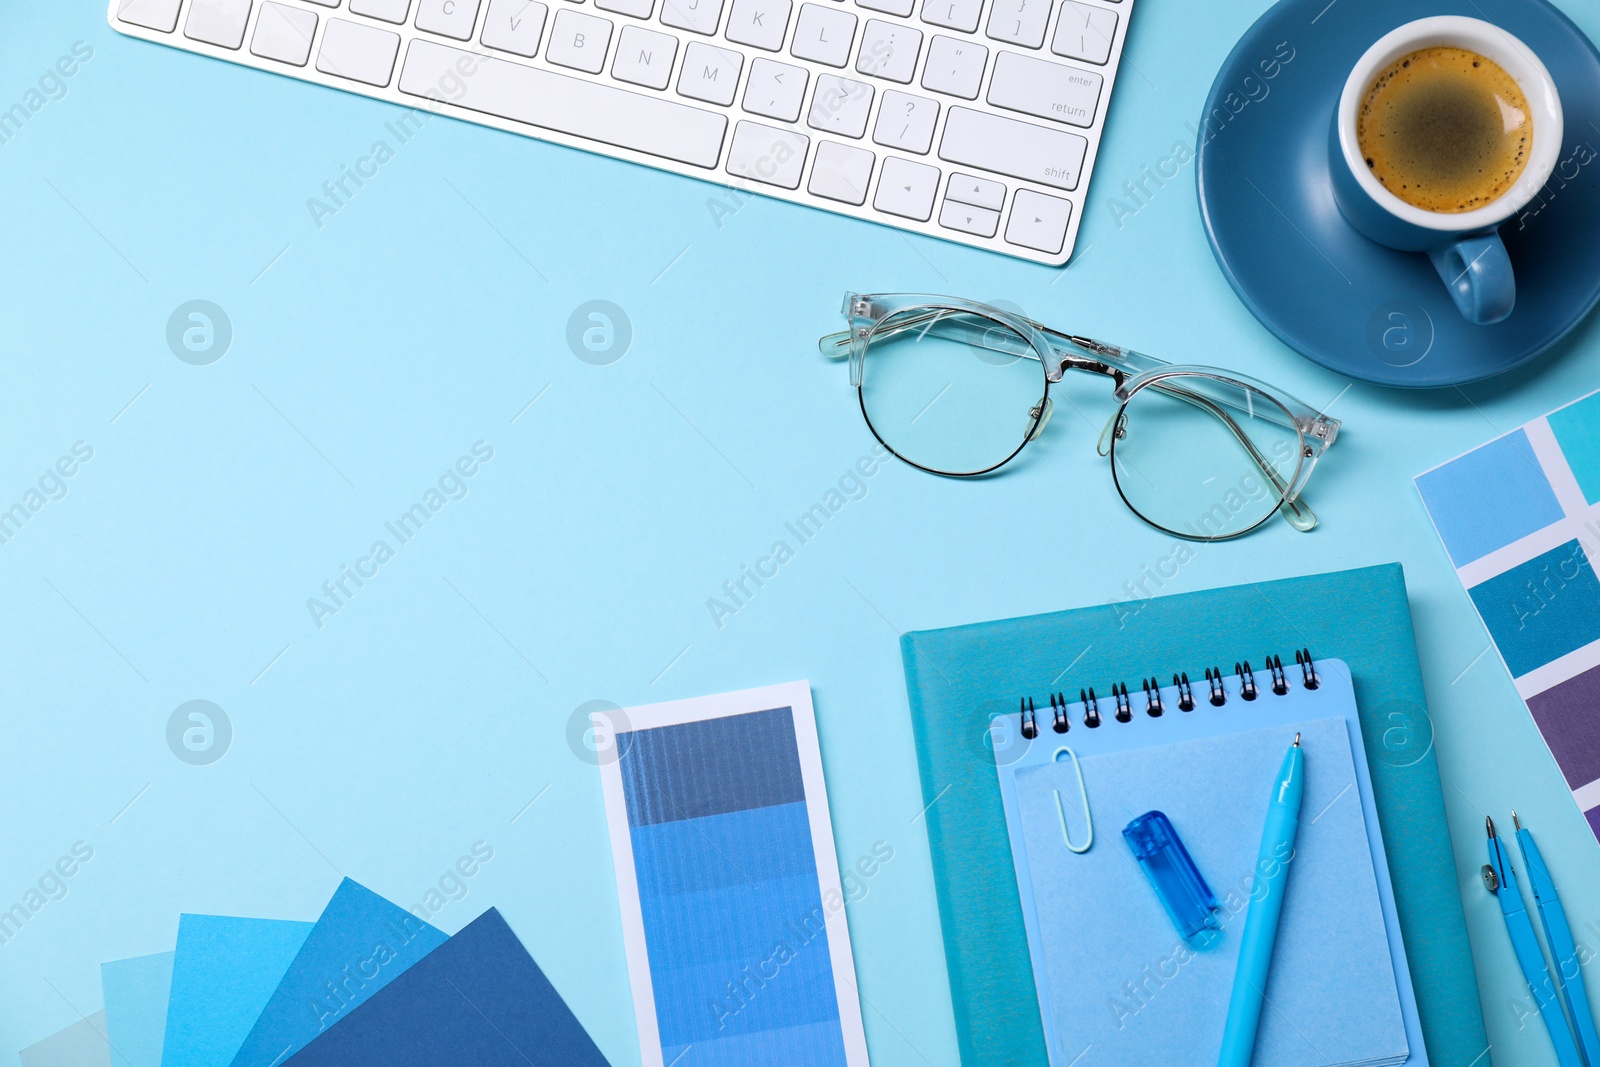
(951, 392)
(1204, 457)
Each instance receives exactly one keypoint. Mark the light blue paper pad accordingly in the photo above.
(1120, 980)
(360, 944)
(136, 993)
(224, 971)
(1117, 959)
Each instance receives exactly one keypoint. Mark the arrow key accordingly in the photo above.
(979, 221)
(980, 192)
(1038, 221)
(906, 188)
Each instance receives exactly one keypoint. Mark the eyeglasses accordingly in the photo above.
(958, 388)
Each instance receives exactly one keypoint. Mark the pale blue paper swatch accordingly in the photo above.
(360, 944)
(136, 992)
(83, 1044)
(1122, 984)
(223, 973)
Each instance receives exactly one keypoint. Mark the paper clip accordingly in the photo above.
(1083, 796)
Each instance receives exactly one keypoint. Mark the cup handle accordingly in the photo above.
(1477, 272)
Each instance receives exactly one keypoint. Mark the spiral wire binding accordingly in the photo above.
(1280, 683)
(1214, 679)
(1302, 659)
(1247, 680)
(1058, 709)
(1152, 698)
(1154, 706)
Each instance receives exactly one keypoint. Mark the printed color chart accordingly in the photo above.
(1520, 518)
(729, 885)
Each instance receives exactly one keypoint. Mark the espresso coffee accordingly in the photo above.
(1445, 129)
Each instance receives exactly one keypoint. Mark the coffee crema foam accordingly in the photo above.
(1445, 129)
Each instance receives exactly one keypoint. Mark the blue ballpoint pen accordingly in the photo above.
(1504, 886)
(1558, 936)
(1261, 922)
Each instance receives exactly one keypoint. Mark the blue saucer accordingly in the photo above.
(1328, 292)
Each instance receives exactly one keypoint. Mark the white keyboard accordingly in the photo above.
(972, 120)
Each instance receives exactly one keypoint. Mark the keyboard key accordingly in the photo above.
(696, 16)
(888, 7)
(218, 22)
(579, 41)
(644, 57)
(1048, 90)
(1038, 221)
(1017, 149)
(514, 26)
(775, 90)
(639, 9)
(955, 67)
(889, 51)
(387, 10)
(710, 73)
(1084, 32)
(1019, 21)
(906, 121)
(448, 18)
(953, 14)
(979, 192)
(980, 221)
(824, 35)
(151, 14)
(360, 53)
(326, 3)
(841, 173)
(759, 23)
(906, 188)
(284, 33)
(841, 105)
(763, 154)
(551, 101)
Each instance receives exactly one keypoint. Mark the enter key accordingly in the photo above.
(1048, 90)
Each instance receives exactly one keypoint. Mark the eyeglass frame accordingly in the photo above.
(1130, 372)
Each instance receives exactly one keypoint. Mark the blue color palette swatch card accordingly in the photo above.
(733, 915)
(136, 993)
(360, 944)
(1520, 520)
(223, 974)
(1117, 983)
(478, 999)
(367, 983)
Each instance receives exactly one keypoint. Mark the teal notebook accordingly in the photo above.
(959, 678)
(1117, 983)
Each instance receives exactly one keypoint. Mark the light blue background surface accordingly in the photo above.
(428, 713)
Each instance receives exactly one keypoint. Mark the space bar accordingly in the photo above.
(567, 105)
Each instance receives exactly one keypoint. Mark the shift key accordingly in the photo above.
(1014, 148)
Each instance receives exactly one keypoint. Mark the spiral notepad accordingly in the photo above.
(1116, 983)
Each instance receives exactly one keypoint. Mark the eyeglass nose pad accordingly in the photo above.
(1116, 427)
(1044, 417)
